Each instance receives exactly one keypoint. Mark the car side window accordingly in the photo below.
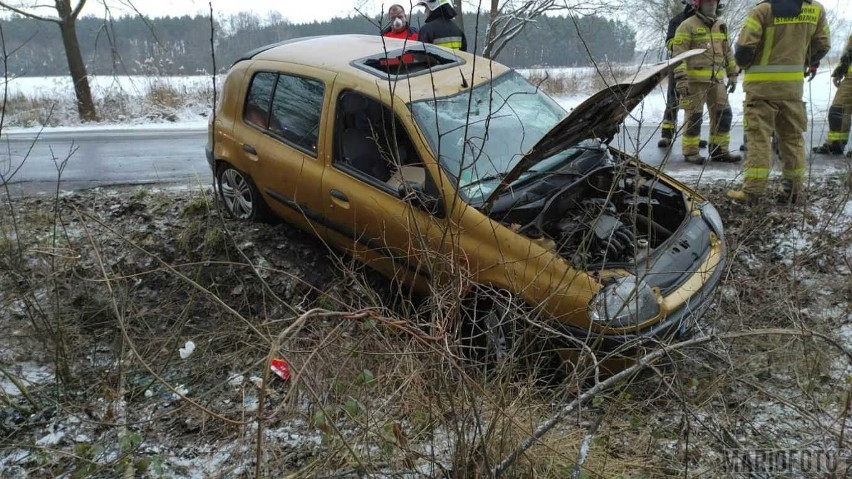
(371, 142)
(296, 111)
(259, 97)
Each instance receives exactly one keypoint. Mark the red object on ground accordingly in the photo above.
(280, 368)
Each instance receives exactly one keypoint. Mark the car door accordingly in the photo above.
(397, 232)
(281, 128)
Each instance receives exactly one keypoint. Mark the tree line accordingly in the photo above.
(181, 45)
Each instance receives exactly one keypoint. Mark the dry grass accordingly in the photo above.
(376, 387)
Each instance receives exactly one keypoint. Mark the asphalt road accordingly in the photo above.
(158, 156)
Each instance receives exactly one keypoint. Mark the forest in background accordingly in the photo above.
(181, 45)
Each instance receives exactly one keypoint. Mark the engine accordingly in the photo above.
(613, 216)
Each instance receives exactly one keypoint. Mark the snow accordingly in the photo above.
(818, 95)
(28, 374)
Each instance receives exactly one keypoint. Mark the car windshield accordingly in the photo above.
(481, 134)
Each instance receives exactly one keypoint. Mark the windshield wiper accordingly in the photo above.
(496, 176)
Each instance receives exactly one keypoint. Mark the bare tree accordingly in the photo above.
(66, 19)
(508, 18)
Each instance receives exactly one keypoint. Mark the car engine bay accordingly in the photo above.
(601, 215)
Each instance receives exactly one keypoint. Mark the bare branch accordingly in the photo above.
(6, 6)
(76, 12)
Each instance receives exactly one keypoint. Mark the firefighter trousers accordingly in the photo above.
(839, 113)
(715, 96)
(788, 119)
(670, 114)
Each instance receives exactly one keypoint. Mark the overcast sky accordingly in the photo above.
(297, 11)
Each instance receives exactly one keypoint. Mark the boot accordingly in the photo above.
(695, 159)
(833, 148)
(702, 144)
(664, 142)
(790, 194)
(742, 197)
(716, 154)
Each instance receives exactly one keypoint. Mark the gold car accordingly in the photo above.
(425, 163)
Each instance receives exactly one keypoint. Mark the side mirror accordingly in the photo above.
(414, 193)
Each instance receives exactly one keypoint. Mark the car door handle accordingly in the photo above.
(249, 149)
(339, 196)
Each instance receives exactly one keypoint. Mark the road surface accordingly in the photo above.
(101, 157)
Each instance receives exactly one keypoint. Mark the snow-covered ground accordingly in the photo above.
(818, 95)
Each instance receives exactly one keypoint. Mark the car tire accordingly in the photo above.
(239, 195)
(497, 335)
(489, 328)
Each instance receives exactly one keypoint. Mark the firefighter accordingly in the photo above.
(700, 81)
(439, 27)
(778, 41)
(841, 106)
(667, 129)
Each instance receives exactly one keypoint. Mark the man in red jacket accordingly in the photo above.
(399, 27)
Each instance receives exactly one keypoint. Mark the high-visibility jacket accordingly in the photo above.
(774, 51)
(440, 29)
(717, 61)
(846, 58)
(675, 22)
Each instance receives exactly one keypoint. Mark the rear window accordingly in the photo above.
(288, 107)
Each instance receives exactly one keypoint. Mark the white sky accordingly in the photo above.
(300, 11)
(297, 11)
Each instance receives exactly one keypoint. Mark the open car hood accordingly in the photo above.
(598, 117)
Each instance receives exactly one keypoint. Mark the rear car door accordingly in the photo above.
(281, 126)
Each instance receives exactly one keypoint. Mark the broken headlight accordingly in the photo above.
(713, 218)
(624, 303)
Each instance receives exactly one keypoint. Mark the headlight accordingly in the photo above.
(624, 303)
(713, 218)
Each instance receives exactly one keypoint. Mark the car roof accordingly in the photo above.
(353, 55)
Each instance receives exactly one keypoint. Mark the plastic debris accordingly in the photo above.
(280, 368)
(187, 350)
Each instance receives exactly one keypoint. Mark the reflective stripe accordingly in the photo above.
(689, 140)
(756, 173)
(838, 136)
(720, 139)
(699, 73)
(449, 42)
(667, 125)
(754, 77)
(768, 44)
(709, 36)
(752, 24)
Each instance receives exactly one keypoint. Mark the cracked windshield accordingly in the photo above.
(478, 148)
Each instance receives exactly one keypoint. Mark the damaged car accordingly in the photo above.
(430, 165)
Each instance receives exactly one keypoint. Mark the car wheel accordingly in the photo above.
(500, 335)
(239, 195)
(489, 328)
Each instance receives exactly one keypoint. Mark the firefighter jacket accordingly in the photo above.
(844, 69)
(675, 22)
(779, 39)
(440, 29)
(717, 61)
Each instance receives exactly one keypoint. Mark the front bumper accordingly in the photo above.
(679, 323)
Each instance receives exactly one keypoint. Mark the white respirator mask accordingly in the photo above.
(398, 23)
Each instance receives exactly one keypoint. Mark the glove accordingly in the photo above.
(732, 84)
(682, 88)
(811, 71)
(839, 73)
